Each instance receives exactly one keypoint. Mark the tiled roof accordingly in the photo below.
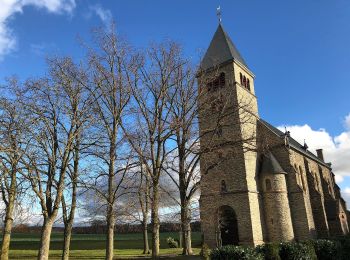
(221, 50)
(271, 165)
(293, 143)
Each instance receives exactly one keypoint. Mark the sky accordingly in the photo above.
(298, 50)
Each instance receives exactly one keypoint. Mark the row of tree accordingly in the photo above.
(111, 125)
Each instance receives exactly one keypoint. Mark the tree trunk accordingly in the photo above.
(68, 220)
(185, 214)
(7, 229)
(145, 237)
(67, 238)
(155, 222)
(45, 238)
(186, 237)
(110, 234)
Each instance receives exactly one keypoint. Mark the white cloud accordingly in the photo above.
(104, 14)
(347, 122)
(336, 149)
(10, 7)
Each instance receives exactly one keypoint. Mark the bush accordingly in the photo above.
(344, 244)
(270, 251)
(297, 251)
(172, 243)
(235, 253)
(326, 249)
(205, 251)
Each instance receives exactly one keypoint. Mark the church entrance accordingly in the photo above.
(228, 226)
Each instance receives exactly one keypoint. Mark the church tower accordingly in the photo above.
(228, 114)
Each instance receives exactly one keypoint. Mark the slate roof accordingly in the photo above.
(271, 165)
(293, 143)
(221, 50)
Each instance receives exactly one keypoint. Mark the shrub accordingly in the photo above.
(205, 251)
(172, 243)
(235, 253)
(344, 244)
(270, 251)
(326, 249)
(297, 251)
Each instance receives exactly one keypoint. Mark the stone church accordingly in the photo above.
(258, 184)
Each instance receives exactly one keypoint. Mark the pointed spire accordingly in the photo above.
(221, 50)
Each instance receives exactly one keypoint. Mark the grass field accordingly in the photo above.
(91, 246)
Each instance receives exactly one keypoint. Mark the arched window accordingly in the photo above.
(329, 189)
(268, 185)
(316, 181)
(302, 178)
(223, 186)
(222, 80)
(295, 168)
(244, 81)
(248, 84)
(241, 78)
(297, 174)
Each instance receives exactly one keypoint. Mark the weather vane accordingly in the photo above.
(218, 13)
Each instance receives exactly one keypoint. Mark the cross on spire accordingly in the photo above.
(218, 13)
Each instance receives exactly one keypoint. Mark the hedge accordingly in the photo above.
(320, 249)
(235, 253)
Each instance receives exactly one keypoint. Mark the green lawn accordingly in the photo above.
(99, 254)
(91, 246)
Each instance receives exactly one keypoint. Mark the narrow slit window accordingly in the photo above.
(268, 185)
(302, 178)
(223, 186)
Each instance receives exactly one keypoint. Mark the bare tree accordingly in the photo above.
(54, 107)
(183, 166)
(13, 125)
(112, 74)
(74, 79)
(138, 210)
(143, 195)
(152, 98)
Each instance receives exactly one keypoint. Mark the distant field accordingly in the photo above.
(93, 241)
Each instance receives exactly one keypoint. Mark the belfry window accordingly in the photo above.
(244, 81)
(248, 84)
(218, 82)
(241, 78)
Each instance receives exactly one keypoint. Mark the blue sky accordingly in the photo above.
(298, 50)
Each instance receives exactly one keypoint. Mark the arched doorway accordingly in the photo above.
(227, 225)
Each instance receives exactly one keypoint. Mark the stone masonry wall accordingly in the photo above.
(316, 197)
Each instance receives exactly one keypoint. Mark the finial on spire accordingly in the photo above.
(218, 13)
(286, 136)
(305, 145)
